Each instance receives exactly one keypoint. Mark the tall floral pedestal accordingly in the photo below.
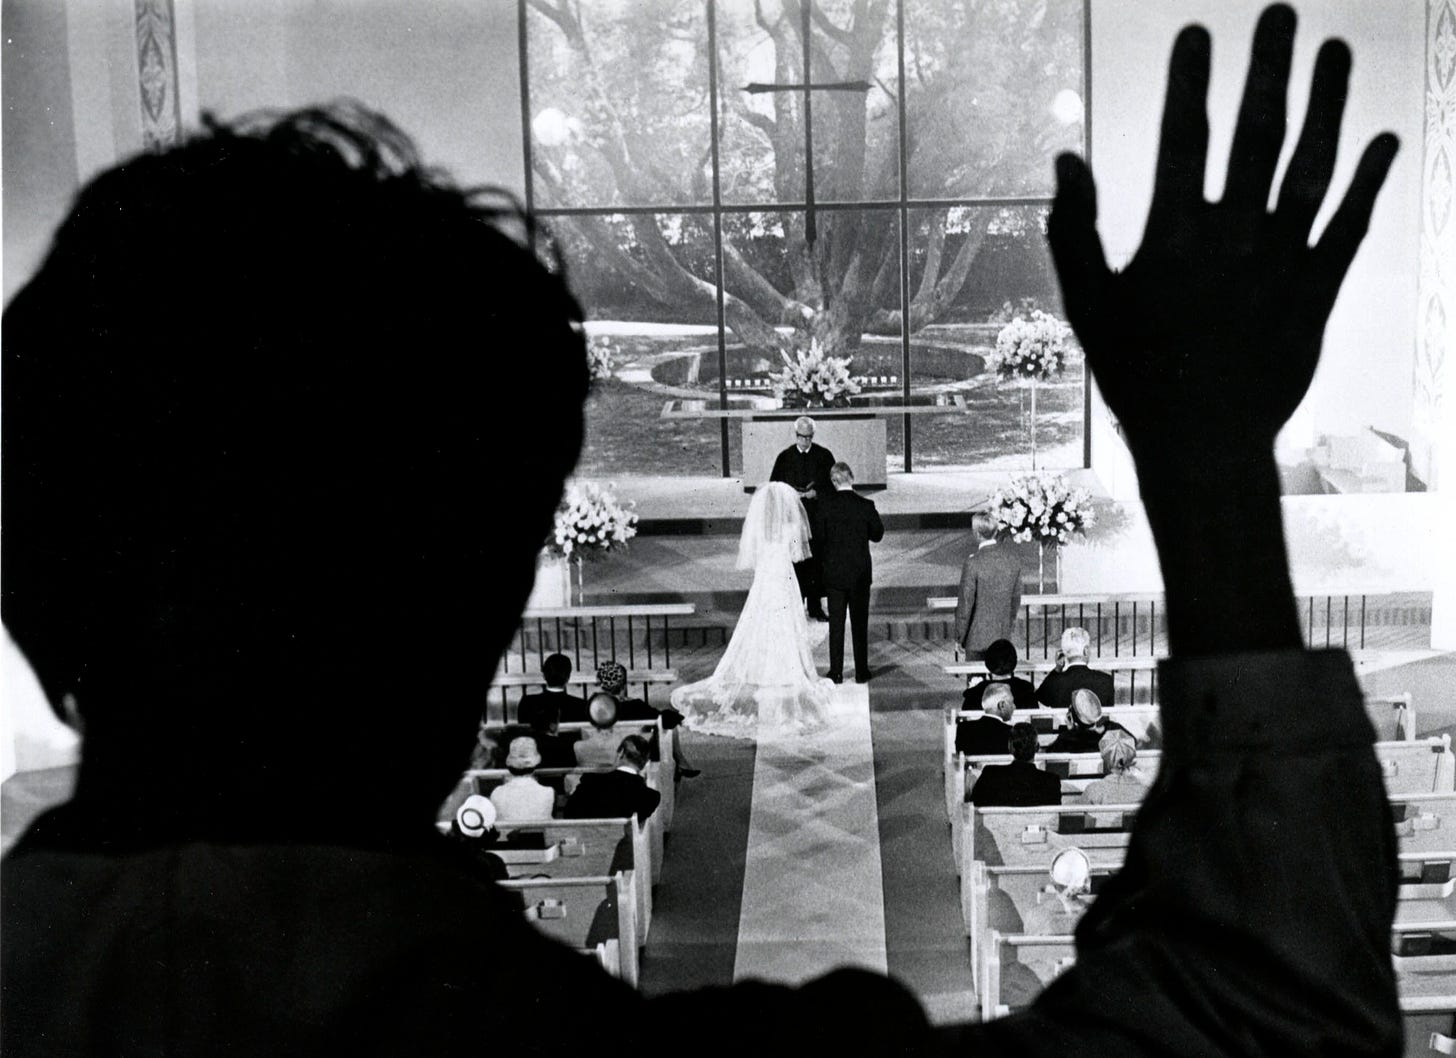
(1048, 567)
(559, 582)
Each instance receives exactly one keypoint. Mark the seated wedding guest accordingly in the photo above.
(1072, 673)
(522, 796)
(990, 733)
(473, 831)
(612, 678)
(617, 793)
(1021, 782)
(599, 744)
(1122, 784)
(1065, 899)
(187, 903)
(1085, 726)
(554, 705)
(1001, 662)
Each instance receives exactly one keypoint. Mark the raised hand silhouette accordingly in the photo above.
(1206, 343)
(1211, 334)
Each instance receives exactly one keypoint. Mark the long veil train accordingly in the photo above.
(766, 683)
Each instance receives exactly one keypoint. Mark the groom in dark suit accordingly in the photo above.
(844, 527)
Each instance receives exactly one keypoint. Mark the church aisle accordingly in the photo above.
(813, 897)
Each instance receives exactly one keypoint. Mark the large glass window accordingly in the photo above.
(923, 145)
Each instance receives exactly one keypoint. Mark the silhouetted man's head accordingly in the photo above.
(634, 752)
(262, 511)
(556, 670)
(1001, 658)
(1023, 742)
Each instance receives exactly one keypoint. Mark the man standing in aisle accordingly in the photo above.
(805, 466)
(844, 527)
(990, 594)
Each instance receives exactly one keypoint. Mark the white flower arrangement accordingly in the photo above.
(591, 523)
(813, 376)
(599, 358)
(1031, 349)
(1044, 509)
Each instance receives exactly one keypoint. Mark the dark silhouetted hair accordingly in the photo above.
(556, 670)
(254, 464)
(635, 751)
(1022, 741)
(1001, 658)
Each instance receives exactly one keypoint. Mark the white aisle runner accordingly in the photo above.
(813, 898)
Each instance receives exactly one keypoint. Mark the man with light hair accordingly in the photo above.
(1073, 674)
(990, 733)
(990, 592)
(806, 465)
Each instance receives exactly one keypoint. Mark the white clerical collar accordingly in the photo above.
(628, 769)
(985, 543)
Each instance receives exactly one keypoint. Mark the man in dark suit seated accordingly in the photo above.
(1085, 726)
(1001, 668)
(1072, 674)
(617, 793)
(1019, 783)
(991, 733)
(554, 705)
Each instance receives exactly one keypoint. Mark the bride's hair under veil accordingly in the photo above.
(776, 517)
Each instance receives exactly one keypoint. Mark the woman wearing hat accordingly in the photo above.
(1123, 783)
(521, 796)
(612, 678)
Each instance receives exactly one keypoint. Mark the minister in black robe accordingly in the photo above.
(805, 466)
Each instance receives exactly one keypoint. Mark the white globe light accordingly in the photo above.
(1067, 107)
(551, 127)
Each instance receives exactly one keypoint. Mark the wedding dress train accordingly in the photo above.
(766, 683)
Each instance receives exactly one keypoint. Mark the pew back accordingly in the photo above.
(585, 912)
(1018, 967)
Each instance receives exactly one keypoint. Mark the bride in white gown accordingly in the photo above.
(766, 682)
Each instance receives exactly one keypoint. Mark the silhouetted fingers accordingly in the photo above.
(1260, 132)
(1313, 160)
(1336, 248)
(1183, 141)
(1075, 244)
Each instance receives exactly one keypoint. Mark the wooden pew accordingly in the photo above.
(998, 899)
(652, 729)
(1017, 967)
(567, 908)
(1031, 837)
(507, 688)
(583, 848)
(1391, 715)
(1424, 954)
(1424, 823)
(483, 780)
(1076, 770)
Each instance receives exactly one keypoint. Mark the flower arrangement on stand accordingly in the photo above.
(813, 378)
(599, 351)
(590, 524)
(1031, 350)
(1045, 509)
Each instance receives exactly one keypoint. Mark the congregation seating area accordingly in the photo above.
(586, 882)
(1003, 854)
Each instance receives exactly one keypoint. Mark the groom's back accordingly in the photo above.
(845, 526)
